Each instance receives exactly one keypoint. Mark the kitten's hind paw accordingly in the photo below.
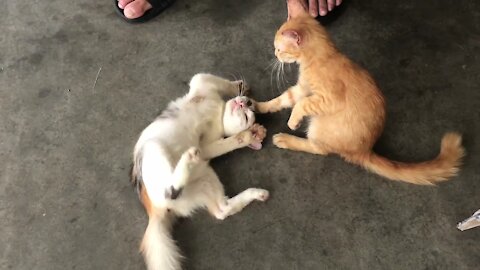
(172, 193)
(192, 155)
(190, 159)
(259, 194)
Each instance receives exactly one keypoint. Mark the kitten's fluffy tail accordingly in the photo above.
(158, 247)
(445, 165)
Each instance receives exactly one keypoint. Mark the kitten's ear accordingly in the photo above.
(296, 8)
(292, 36)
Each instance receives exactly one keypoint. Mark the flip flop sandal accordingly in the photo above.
(157, 7)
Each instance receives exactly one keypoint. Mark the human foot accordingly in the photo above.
(322, 7)
(137, 11)
(317, 7)
(133, 9)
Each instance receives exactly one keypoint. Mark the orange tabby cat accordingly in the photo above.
(346, 108)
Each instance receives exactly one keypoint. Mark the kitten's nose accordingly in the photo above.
(240, 103)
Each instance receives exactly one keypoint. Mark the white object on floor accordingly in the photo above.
(470, 222)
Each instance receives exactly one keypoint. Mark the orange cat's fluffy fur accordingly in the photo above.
(346, 108)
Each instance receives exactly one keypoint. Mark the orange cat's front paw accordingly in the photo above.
(293, 123)
(261, 107)
(280, 140)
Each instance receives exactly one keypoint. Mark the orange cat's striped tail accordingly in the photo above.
(445, 165)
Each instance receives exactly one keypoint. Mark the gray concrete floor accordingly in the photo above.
(65, 142)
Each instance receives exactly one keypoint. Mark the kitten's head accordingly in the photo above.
(287, 45)
(298, 33)
(238, 115)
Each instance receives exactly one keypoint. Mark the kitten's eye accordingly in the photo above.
(249, 103)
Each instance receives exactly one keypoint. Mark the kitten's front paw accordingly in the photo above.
(261, 107)
(293, 123)
(259, 133)
(280, 140)
(192, 155)
(244, 138)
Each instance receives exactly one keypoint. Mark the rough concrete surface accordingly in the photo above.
(66, 136)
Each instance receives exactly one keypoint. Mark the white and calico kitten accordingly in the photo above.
(170, 161)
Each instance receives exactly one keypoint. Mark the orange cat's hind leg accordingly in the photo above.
(287, 141)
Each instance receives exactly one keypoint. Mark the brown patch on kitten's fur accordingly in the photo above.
(197, 99)
(346, 107)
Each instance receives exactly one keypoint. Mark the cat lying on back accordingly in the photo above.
(346, 108)
(171, 169)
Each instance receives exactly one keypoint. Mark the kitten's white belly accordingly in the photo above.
(192, 128)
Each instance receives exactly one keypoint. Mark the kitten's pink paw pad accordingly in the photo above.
(259, 132)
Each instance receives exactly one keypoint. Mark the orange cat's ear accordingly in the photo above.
(292, 36)
(296, 8)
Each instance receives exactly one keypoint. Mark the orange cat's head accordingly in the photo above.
(299, 36)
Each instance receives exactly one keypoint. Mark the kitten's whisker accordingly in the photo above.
(283, 75)
(285, 80)
(278, 76)
(243, 85)
(274, 64)
(234, 78)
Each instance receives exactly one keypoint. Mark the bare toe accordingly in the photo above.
(122, 3)
(136, 8)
